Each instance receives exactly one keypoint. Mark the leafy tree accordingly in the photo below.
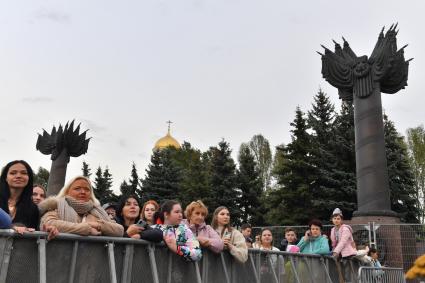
(401, 178)
(222, 180)
(260, 147)
(41, 177)
(163, 177)
(250, 186)
(416, 150)
(86, 170)
(290, 202)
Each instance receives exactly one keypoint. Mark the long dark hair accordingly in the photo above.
(121, 205)
(24, 205)
(167, 206)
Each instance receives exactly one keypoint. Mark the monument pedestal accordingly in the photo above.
(395, 242)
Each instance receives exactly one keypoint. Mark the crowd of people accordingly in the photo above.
(75, 209)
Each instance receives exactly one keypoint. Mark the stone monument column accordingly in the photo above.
(360, 80)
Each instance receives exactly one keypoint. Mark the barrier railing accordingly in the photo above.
(398, 244)
(71, 258)
(381, 275)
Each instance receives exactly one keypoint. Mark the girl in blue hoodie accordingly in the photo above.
(313, 241)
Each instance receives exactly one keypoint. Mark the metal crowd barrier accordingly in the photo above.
(72, 258)
(381, 275)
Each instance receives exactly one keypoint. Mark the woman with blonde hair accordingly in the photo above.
(195, 213)
(76, 210)
(233, 240)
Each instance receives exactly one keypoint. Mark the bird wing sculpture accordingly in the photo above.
(358, 76)
(389, 66)
(67, 138)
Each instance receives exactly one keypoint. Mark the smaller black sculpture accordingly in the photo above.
(61, 144)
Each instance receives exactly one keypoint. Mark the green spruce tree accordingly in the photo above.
(250, 185)
(401, 178)
(344, 171)
(102, 186)
(323, 188)
(222, 180)
(290, 201)
(163, 177)
(41, 177)
(193, 185)
(86, 170)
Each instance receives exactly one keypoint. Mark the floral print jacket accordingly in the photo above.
(187, 245)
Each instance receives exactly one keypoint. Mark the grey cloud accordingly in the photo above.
(91, 125)
(37, 99)
(51, 15)
(142, 155)
(122, 143)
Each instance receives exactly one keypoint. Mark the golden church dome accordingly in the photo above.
(167, 141)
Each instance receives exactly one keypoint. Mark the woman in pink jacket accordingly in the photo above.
(195, 213)
(342, 238)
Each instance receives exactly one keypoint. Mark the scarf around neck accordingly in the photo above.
(69, 209)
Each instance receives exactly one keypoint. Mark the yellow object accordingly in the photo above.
(167, 141)
(418, 269)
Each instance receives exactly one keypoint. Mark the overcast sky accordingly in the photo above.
(217, 68)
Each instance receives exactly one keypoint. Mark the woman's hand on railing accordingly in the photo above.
(51, 230)
(22, 229)
(170, 241)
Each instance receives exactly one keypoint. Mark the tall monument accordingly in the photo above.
(61, 144)
(360, 80)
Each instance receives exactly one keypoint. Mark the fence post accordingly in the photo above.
(257, 279)
(73, 262)
(6, 250)
(42, 259)
(223, 263)
(198, 273)
(152, 260)
(294, 269)
(128, 264)
(170, 266)
(111, 257)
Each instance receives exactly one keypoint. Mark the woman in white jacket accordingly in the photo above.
(233, 240)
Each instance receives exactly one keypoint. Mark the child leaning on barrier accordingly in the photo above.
(342, 237)
(177, 236)
(290, 241)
